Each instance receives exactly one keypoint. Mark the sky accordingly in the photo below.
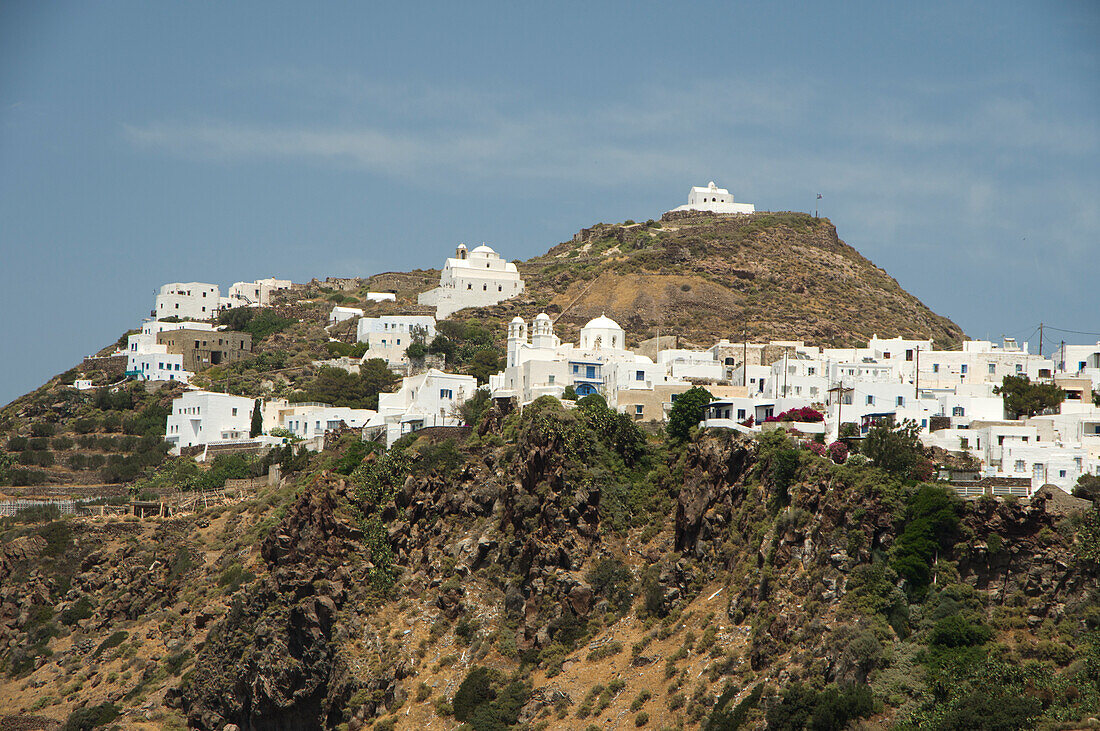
(956, 145)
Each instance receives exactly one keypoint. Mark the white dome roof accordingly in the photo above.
(517, 319)
(604, 323)
(542, 316)
(483, 249)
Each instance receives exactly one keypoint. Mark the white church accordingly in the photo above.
(477, 278)
(715, 199)
(542, 365)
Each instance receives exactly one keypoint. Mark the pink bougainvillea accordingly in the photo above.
(817, 448)
(838, 452)
(804, 413)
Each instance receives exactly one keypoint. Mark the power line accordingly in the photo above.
(1075, 332)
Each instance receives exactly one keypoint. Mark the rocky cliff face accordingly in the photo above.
(345, 600)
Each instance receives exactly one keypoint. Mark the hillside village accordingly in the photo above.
(823, 393)
(473, 498)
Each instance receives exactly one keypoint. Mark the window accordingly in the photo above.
(909, 354)
(924, 423)
(234, 412)
(811, 371)
(886, 356)
(638, 408)
(500, 288)
(992, 369)
(730, 361)
(446, 393)
(576, 368)
(1000, 439)
(485, 288)
(958, 411)
(964, 443)
(1021, 466)
(551, 378)
(399, 341)
(1061, 473)
(639, 375)
(469, 286)
(901, 401)
(1019, 367)
(935, 367)
(590, 371)
(870, 400)
(964, 368)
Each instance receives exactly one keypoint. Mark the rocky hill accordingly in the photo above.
(782, 276)
(558, 569)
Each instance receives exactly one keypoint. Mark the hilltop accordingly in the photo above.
(701, 276)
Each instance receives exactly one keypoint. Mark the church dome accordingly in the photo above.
(542, 316)
(604, 323)
(517, 320)
(483, 249)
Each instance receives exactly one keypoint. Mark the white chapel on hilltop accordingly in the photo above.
(477, 278)
(713, 198)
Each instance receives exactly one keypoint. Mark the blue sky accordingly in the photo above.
(957, 145)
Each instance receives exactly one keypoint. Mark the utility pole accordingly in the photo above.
(745, 359)
(784, 371)
(916, 376)
(1040, 340)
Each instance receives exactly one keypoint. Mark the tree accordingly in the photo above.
(342, 388)
(377, 378)
(418, 346)
(486, 362)
(895, 449)
(1022, 397)
(257, 426)
(687, 411)
(443, 345)
(1088, 488)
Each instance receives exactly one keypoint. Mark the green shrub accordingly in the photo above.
(641, 719)
(80, 609)
(85, 719)
(116, 639)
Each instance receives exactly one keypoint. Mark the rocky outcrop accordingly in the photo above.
(714, 469)
(273, 662)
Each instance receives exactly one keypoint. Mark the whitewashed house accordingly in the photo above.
(309, 420)
(203, 417)
(388, 336)
(425, 400)
(187, 301)
(255, 294)
(713, 198)
(340, 314)
(381, 297)
(477, 278)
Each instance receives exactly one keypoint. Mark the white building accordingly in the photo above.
(543, 365)
(187, 301)
(713, 198)
(428, 399)
(255, 294)
(478, 278)
(203, 417)
(381, 297)
(309, 420)
(340, 314)
(148, 360)
(157, 366)
(388, 336)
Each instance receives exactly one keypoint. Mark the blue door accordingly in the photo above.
(585, 389)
